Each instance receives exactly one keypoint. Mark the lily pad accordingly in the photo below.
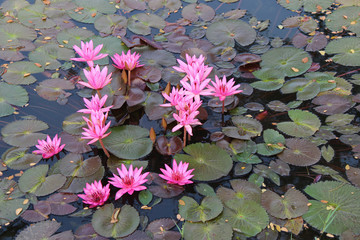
(23, 133)
(34, 181)
(73, 36)
(41, 230)
(160, 229)
(11, 34)
(91, 10)
(141, 23)
(300, 152)
(190, 210)
(51, 89)
(19, 159)
(331, 104)
(289, 60)
(74, 123)
(34, 16)
(226, 32)
(41, 212)
(129, 142)
(20, 73)
(162, 189)
(304, 124)
(344, 18)
(73, 165)
(353, 175)
(346, 49)
(219, 230)
(59, 203)
(338, 199)
(274, 143)
(309, 5)
(209, 161)
(111, 24)
(194, 11)
(292, 205)
(246, 128)
(109, 221)
(11, 95)
(271, 79)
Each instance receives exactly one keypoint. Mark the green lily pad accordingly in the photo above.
(19, 159)
(73, 165)
(271, 79)
(209, 161)
(331, 104)
(11, 95)
(219, 230)
(205, 189)
(73, 36)
(305, 89)
(247, 217)
(346, 49)
(274, 143)
(344, 17)
(265, 171)
(34, 181)
(109, 221)
(41, 230)
(111, 45)
(141, 23)
(300, 152)
(339, 119)
(19, 73)
(9, 203)
(74, 123)
(49, 54)
(190, 210)
(11, 34)
(353, 175)
(34, 16)
(226, 32)
(328, 153)
(194, 11)
(304, 124)
(77, 184)
(246, 128)
(293, 204)
(129, 142)
(92, 10)
(338, 199)
(23, 133)
(309, 5)
(111, 24)
(13, 6)
(289, 60)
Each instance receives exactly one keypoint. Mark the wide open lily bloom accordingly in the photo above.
(88, 53)
(95, 194)
(128, 181)
(175, 97)
(96, 127)
(127, 61)
(223, 88)
(196, 87)
(49, 147)
(96, 79)
(178, 174)
(95, 104)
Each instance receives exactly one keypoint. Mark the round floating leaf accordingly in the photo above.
(339, 119)
(219, 230)
(76, 184)
(51, 89)
(86, 230)
(226, 32)
(20, 73)
(34, 181)
(292, 205)
(72, 165)
(23, 133)
(291, 4)
(353, 175)
(19, 159)
(111, 45)
(74, 123)
(346, 49)
(160, 229)
(274, 143)
(205, 189)
(289, 60)
(145, 197)
(111, 24)
(209, 161)
(41, 230)
(190, 210)
(247, 217)
(169, 147)
(280, 167)
(11, 33)
(271, 79)
(115, 222)
(278, 106)
(300, 152)
(59, 203)
(140, 23)
(41, 212)
(73, 36)
(74, 143)
(194, 11)
(340, 201)
(129, 142)
(162, 189)
(344, 18)
(92, 9)
(241, 169)
(305, 89)
(34, 16)
(328, 153)
(9, 204)
(331, 104)
(309, 5)
(304, 124)
(49, 54)
(246, 128)
(157, 58)
(267, 172)
(11, 95)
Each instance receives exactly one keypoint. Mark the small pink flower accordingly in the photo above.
(88, 53)
(222, 89)
(96, 79)
(174, 98)
(193, 66)
(196, 87)
(129, 181)
(95, 194)
(49, 147)
(186, 120)
(178, 174)
(127, 61)
(95, 104)
(96, 127)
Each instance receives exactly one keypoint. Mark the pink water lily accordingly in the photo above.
(178, 174)
(193, 66)
(186, 120)
(195, 88)
(96, 127)
(175, 97)
(88, 53)
(49, 147)
(128, 180)
(223, 88)
(96, 79)
(96, 104)
(95, 194)
(127, 61)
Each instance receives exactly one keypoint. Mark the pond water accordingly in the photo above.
(281, 163)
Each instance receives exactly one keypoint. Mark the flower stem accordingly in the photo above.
(103, 147)
(223, 107)
(99, 94)
(184, 138)
(129, 83)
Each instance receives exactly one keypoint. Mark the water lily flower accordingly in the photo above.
(196, 87)
(128, 180)
(223, 88)
(95, 194)
(96, 79)
(127, 61)
(95, 104)
(194, 66)
(96, 127)
(178, 174)
(186, 120)
(88, 53)
(49, 147)
(175, 97)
